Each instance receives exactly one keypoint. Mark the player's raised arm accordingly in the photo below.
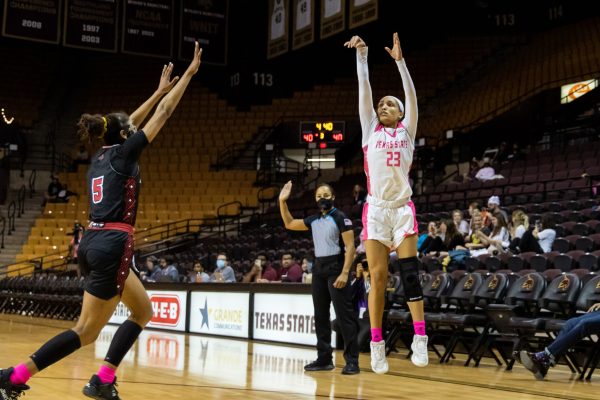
(411, 113)
(167, 105)
(365, 97)
(164, 86)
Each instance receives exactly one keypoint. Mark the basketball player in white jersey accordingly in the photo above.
(389, 219)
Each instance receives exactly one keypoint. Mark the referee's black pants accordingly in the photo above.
(325, 272)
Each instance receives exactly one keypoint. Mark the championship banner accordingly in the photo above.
(148, 28)
(362, 12)
(333, 17)
(91, 24)
(205, 22)
(304, 23)
(32, 20)
(277, 42)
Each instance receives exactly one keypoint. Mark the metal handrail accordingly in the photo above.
(232, 218)
(21, 201)
(12, 207)
(32, 179)
(3, 230)
(38, 262)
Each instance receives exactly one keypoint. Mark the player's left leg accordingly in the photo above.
(408, 264)
(102, 384)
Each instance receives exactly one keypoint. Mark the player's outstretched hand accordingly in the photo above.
(355, 43)
(166, 83)
(195, 64)
(286, 190)
(396, 51)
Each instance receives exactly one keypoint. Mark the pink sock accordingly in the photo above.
(106, 374)
(20, 375)
(419, 328)
(376, 335)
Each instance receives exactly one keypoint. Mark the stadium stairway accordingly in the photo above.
(14, 242)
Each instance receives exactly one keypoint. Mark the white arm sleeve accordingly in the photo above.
(411, 112)
(365, 97)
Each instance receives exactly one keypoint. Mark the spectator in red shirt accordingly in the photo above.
(291, 271)
(271, 273)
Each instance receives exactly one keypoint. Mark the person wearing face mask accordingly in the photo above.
(333, 239)
(106, 249)
(223, 273)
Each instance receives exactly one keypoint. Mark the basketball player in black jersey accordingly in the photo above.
(106, 249)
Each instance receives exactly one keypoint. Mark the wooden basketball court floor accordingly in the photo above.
(165, 366)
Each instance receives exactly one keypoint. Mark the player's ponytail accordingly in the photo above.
(107, 128)
(91, 127)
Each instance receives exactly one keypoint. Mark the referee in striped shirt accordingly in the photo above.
(333, 239)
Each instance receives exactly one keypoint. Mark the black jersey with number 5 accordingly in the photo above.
(114, 181)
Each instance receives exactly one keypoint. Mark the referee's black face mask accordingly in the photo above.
(325, 204)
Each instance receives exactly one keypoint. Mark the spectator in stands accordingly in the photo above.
(473, 242)
(540, 238)
(359, 195)
(445, 238)
(461, 225)
(64, 194)
(255, 273)
(81, 158)
(519, 225)
(473, 169)
(167, 272)
(306, 270)
(150, 270)
(474, 207)
(494, 207)
(271, 273)
(223, 273)
(360, 289)
(574, 330)
(427, 243)
(516, 153)
(487, 172)
(503, 152)
(198, 275)
(77, 234)
(291, 271)
(54, 188)
(499, 238)
(333, 239)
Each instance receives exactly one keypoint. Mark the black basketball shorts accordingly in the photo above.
(106, 257)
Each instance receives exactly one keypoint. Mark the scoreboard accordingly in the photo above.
(328, 132)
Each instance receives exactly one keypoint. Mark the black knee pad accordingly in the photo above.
(409, 273)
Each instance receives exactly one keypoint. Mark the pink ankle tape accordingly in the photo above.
(376, 335)
(419, 328)
(106, 374)
(20, 375)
